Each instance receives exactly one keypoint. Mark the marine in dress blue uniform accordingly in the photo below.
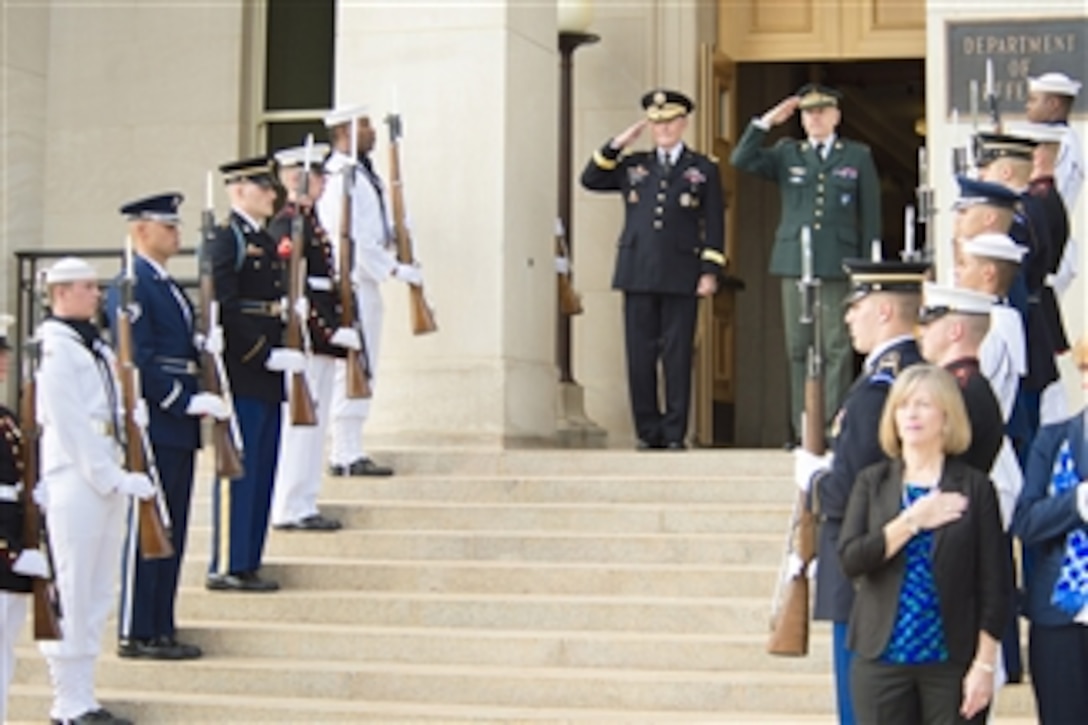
(249, 286)
(881, 313)
(298, 478)
(671, 250)
(165, 353)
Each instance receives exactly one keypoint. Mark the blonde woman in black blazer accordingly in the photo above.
(923, 542)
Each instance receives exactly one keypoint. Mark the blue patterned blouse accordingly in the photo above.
(917, 637)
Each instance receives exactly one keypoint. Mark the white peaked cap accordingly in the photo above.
(995, 246)
(338, 116)
(296, 155)
(70, 269)
(957, 299)
(1038, 132)
(1057, 83)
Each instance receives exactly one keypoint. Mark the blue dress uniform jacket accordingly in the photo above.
(674, 221)
(838, 198)
(1042, 325)
(322, 288)
(11, 505)
(856, 446)
(163, 352)
(1042, 521)
(249, 287)
(983, 413)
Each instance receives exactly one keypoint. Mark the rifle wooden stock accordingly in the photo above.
(790, 621)
(43, 591)
(228, 459)
(570, 302)
(300, 401)
(422, 316)
(357, 372)
(154, 539)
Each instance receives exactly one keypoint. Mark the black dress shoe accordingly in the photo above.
(316, 522)
(244, 582)
(157, 648)
(360, 467)
(102, 716)
(644, 445)
(790, 445)
(676, 446)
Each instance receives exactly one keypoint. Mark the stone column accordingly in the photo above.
(477, 89)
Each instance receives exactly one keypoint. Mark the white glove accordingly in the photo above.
(212, 343)
(41, 495)
(30, 562)
(302, 308)
(207, 404)
(794, 565)
(140, 416)
(410, 273)
(346, 338)
(285, 360)
(562, 265)
(806, 465)
(135, 484)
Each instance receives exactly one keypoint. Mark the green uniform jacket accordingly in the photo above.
(838, 198)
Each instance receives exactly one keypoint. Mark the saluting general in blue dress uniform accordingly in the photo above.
(249, 287)
(881, 314)
(671, 250)
(165, 353)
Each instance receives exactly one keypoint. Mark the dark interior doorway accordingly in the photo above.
(883, 106)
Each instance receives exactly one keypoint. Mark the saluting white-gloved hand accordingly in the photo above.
(410, 273)
(302, 308)
(806, 465)
(346, 338)
(140, 416)
(562, 265)
(285, 360)
(207, 404)
(30, 562)
(135, 484)
(212, 343)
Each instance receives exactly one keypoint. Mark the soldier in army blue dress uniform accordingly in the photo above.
(249, 286)
(165, 353)
(882, 311)
(671, 251)
(830, 185)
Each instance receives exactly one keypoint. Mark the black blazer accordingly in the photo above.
(969, 565)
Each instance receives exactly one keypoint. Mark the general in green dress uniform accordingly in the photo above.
(830, 185)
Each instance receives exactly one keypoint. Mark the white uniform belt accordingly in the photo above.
(177, 365)
(9, 492)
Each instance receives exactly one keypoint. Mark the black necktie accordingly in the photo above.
(819, 151)
(666, 162)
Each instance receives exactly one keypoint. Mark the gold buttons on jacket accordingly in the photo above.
(657, 224)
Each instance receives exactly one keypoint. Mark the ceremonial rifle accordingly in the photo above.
(570, 302)
(926, 211)
(226, 437)
(35, 531)
(154, 538)
(422, 315)
(790, 606)
(300, 400)
(357, 369)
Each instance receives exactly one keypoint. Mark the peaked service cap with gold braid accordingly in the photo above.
(868, 276)
(815, 95)
(665, 105)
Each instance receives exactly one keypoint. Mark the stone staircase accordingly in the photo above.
(594, 586)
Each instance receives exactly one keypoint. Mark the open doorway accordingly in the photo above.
(883, 105)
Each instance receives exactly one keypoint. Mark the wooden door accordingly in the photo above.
(714, 336)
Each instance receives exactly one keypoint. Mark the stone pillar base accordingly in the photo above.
(572, 428)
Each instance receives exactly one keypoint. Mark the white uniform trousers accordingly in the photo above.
(298, 474)
(85, 530)
(13, 606)
(348, 416)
